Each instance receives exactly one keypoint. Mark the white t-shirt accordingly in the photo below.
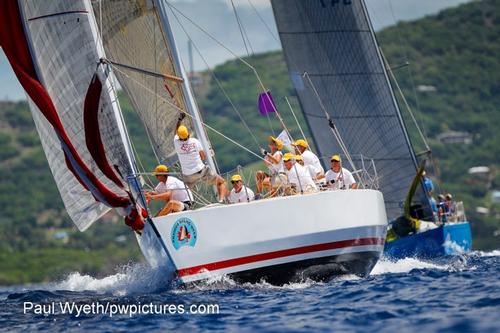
(312, 170)
(188, 152)
(300, 177)
(277, 168)
(311, 159)
(241, 196)
(177, 187)
(339, 183)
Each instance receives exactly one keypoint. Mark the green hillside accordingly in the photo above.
(455, 52)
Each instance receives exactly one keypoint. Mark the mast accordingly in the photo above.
(186, 88)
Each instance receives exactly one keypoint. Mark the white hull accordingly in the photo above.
(282, 239)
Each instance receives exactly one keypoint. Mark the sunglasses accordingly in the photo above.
(335, 161)
(235, 181)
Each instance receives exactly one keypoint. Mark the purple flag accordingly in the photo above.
(266, 103)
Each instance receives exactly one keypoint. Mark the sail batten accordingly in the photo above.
(333, 44)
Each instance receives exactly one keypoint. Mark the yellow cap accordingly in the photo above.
(301, 142)
(236, 178)
(183, 132)
(298, 158)
(288, 156)
(449, 196)
(161, 169)
(336, 158)
(279, 143)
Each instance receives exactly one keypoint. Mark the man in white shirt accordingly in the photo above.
(298, 176)
(173, 191)
(191, 156)
(275, 178)
(338, 177)
(316, 174)
(301, 148)
(240, 193)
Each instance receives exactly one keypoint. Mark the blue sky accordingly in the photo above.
(222, 24)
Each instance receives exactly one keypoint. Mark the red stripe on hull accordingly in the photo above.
(279, 254)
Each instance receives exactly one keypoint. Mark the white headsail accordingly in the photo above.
(65, 51)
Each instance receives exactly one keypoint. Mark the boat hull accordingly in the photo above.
(278, 240)
(448, 239)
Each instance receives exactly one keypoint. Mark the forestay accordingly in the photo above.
(62, 37)
(334, 44)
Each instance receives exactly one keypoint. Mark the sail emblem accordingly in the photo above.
(183, 233)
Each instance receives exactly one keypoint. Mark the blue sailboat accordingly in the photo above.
(344, 88)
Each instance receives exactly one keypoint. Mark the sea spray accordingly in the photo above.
(130, 279)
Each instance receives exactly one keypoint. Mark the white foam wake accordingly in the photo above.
(131, 279)
(386, 266)
(494, 253)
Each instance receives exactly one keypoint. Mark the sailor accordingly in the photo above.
(316, 174)
(428, 184)
(429, 189)
(276, 177)
(339, 177)
(239, 193)
(302, 148)
(191, 156)
(298, 176)
(441, 208)
(173, 191)
(451, 207)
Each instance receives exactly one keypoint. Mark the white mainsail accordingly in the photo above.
(65, 49)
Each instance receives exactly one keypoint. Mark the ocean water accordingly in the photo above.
(457, 294)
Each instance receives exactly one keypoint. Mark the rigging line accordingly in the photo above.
(155, 81)
(219, 84)
(405, 50)
(391, 73)
(296, 120)
(232, 53)
(143, 71)
(112, 84)
(264, 22)
(240, 27)
(334, 129)
(256, 73)
(189, 115)
(100, 21)
(270, 124)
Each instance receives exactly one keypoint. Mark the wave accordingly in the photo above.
(130, 279)
(494, 253)
(387, 266)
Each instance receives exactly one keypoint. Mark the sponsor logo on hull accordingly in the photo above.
(183, 233)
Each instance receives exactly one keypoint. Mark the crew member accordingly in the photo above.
(276, 177)
(173, 191)
(191, 156)
(298, 176)
(239, 193)
(302, 148)
(339, 177)
(316, 174)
